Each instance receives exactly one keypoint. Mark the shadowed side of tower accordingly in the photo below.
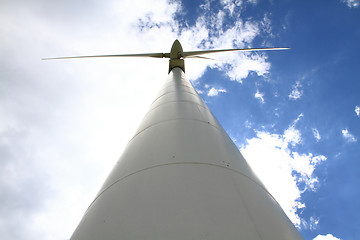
(181, 177)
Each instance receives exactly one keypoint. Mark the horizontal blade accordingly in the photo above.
(201, 57)
(188, 54)
(153, 55)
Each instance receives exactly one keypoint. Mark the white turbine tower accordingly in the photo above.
(181, 177)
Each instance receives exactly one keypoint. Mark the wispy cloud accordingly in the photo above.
(348, 136)
(326, 237)
(282, 170)
(293, 135)
(297, 91)
(214, 92)
(260, 96)
(248, 124)
(314, 223)
(231, 5)
(316, 134)
(352, 3)
(266, 25)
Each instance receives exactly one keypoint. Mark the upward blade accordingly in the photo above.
(189, 54)
(152, 55)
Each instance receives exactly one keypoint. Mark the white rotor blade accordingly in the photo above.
(188, 54)
(202, 57)
(153, 55)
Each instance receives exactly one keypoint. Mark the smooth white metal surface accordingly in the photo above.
(182, 177)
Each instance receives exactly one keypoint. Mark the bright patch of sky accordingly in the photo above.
(64, 124)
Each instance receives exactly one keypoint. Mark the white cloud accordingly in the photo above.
(293, 135)
(352, 3)
(266, 25)
(214, 92)
(326, 237)
(230, 5)
(253, 1)
(282, 170)
(210, 32)
(316, 134)
(240, 65)
(357, 111)
(276, 112)
(314, 223)
(296, 92)
(298, 118)
(50, 130)
(348, 136)
(259, 96)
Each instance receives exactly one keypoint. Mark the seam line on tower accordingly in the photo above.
(178, 163)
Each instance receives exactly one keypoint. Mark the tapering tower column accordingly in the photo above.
(181, 177)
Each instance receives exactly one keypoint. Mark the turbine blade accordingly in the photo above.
(202, 58)
(188, 54)
(153, 55)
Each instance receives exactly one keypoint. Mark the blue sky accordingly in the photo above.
(294, 114)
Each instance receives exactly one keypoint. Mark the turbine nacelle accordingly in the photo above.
(176, 53)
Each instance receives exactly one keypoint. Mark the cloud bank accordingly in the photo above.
(286, 173)
(64, 123)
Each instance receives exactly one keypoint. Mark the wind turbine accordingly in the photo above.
(181, 176)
